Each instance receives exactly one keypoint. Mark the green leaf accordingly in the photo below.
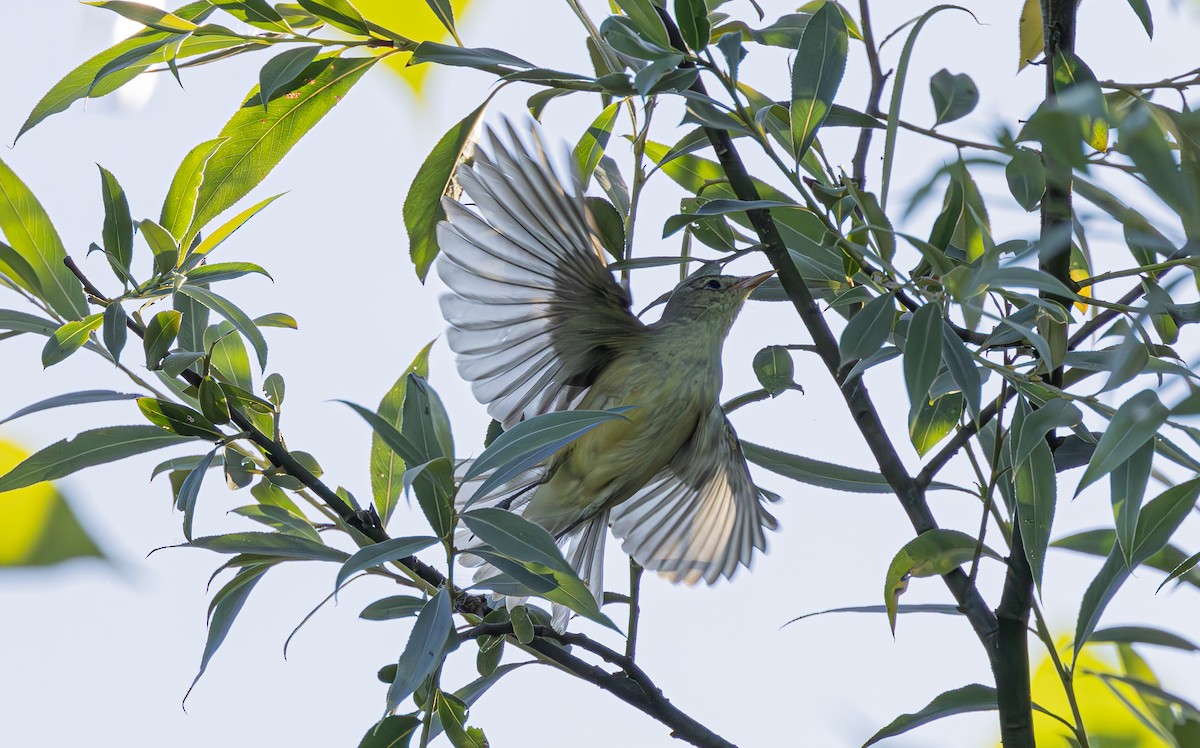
(1055, 414)
(823, 474)
(774, 368)
(391, 732)
(816, 74)
(229, 356)
(94, 447)
(75, 85)
(28, 229)
(452, 714)
(161, 332)
(1184, 568)
(1128, 483)
(1070, 72)
(180, 203)
(646, 20)
(423, 652)
(386, 466)
(1134, 423)
(518, 540)
(972, 698)
(1101, 543)
(189, 491)
(162, 245)
(1107, 581)
(1026, 178)
(277, 319)
(532, 441)
(1160, 518)
(929, 423)
(694, 26)
(118, 226)
(1036, 485)
(610, 224)
(72, 398)
(932, 553)
(962, 369)
(213, 240)
(423, 205)
(214, 404)
(178, 419)
(257, 13)
(276, 544)
(236, 317)
(223, 271)
(147, 15)
(721, 207)
(893, 122)
(444, 12)
(591, 146)
(954, 96)
(282, 70)
(1142, 9)
(522, 625)
(338, 13)
(868, 329)
(425, 422)
(254, 141)
(69, 338)
(389, 608)
(480, 58)
(922, 353)
(381, 553)
(1142, 635)
(274, 388)
(227, 604)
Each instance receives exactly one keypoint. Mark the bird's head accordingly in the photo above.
(713, 300)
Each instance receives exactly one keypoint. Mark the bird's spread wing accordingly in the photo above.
(534, 313)
(702, 515)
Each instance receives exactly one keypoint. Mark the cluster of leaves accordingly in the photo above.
(995, 350)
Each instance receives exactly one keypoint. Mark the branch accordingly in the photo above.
(632, 685)
(862, 409)
(859, 168)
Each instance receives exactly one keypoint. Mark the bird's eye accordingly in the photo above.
(713, 284)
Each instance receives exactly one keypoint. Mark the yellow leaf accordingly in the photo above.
(1029, 30)
(37, 526)
(1080, 269)
(415, 20)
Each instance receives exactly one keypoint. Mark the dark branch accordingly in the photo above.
(859, 164)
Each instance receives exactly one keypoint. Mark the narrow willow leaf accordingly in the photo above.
(73, 398)
(591, 146)
(1143, 635)
(1159, 519)
(178, 419)
(147, 15)
(190, 491)
(816, 74)
(213, 240)
(1036, 488)
(385, 465)
(611, 225)
(275, 544)
(214, 404)
(972, 698)
(27, 227)
(1142, 9)
(823, 474)
(425, 422)
(231, 599)
(254, 141)
(532, 441)
(1184, 568)
(381, 553)
(1134, 423)
(117, 230)
(257, 13)
(161, 332)
(694, 26)
(1053, 415)
(338, 13)
(962, 369)
(868, 330)
(1128, 483)
(1107, 581)
(645, 18)
(223, 271)
(274, 388)
(389, 608)
(941, 609)
(391, 732)
(69, 338)
(423, 651)
(180, 203)
(423, 205)
(1026, 178)
(922, 353)
(954, 96)
(282, 70)
(75, 85)
(932, 553)
(229, 356)
(235, 316)
(89, 448)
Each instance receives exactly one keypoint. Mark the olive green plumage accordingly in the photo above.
(539, 324)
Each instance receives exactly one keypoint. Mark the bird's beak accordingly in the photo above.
(753, 282)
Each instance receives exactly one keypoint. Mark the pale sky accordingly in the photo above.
(103, 653)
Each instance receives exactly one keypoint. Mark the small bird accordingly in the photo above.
(539, 324)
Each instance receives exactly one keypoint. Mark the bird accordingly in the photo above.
(539, 324)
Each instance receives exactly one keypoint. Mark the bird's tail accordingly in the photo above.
(583, 544)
